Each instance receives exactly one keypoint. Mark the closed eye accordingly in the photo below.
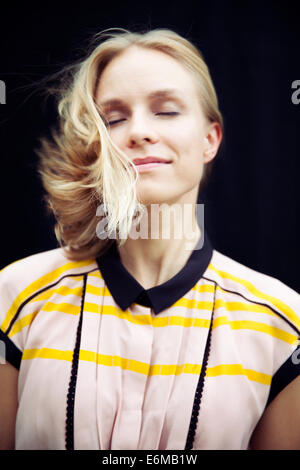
(115, 121)
(170, 113)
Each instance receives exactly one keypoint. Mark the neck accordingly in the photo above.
(160, 245)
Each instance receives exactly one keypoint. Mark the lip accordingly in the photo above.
(148, 160)
(141, 168)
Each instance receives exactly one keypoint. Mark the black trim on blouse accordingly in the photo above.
(127, 290)
(200, 385)
(11, 353)
(289, 371)
(73, 378)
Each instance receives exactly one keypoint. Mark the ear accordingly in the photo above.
(212, 141)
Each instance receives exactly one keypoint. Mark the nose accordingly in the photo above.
(141, 131)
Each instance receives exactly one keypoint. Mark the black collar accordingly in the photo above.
(126, 290)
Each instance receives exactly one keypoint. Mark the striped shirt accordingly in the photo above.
(106, 364)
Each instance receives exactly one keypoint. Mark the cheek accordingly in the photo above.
(116, 137)
(189, 134)
(189, 144)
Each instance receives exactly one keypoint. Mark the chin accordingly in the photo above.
(154, 199)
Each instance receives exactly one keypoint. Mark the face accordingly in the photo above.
(152, 108)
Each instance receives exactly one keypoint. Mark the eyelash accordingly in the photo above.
(170, 113)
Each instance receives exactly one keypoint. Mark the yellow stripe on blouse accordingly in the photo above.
(144, 368)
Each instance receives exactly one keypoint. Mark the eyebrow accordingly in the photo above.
(158, 94)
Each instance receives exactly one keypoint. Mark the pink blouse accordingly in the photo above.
(106, 364)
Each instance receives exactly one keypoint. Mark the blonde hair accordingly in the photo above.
(80, 166)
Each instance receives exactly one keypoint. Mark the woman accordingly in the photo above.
(119, 341)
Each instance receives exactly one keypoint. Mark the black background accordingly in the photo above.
(252, 49)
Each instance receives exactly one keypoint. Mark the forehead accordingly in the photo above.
(139, 71)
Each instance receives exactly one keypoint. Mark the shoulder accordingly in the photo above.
(24, 288)
(254, 287)
(46, 266)
(265, 315)
(25, 278)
